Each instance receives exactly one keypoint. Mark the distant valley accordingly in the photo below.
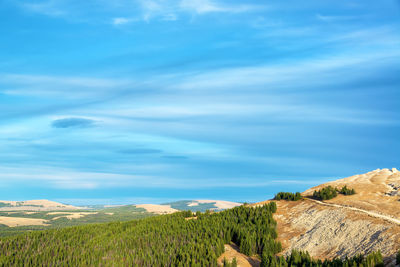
(20, 216)
(336, 220)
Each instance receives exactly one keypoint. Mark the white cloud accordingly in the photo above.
(48, 8)
(151, 9)
(201, 6)
(310, 72)
(145, 10)
(170, 17)
(151, 5)
(71, 179)
(208, 6)
(327, 18)
(71, 87)
(121, 21)
(78, 81)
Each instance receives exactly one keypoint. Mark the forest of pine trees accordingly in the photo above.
(166, 240)
(300, 258)
(398, 258)
(288, 196)
(179, 239)
(330, 192)
(346, 191)
(226, 263)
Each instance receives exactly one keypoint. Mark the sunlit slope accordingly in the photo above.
(345, 225)
(203, 205)
(34, 205)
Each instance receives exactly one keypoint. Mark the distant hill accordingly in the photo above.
(177, 239)
(20, 216)
(34, 205)
(202, 205)
(268, 233)
(182, 205)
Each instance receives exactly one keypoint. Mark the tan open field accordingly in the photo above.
(35, 205)
(15, 221)
(219, 204)
(70, 215)
(158, 209)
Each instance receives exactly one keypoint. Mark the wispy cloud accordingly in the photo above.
(50, 8)
(68, 80)
(70, 179)
(166, 10)
(209, 6)
(282, 75)
(121, 21)
(333, 18)
(371, 37)
(65, 179)
(140, 151)
(69, 87)
(196, 94)
(201, 6)
(73, 123)
(170, 17)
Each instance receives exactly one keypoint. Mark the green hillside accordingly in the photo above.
(93, 214)
(184, 205)
(103, 215)
(178, 239)
(167, 240)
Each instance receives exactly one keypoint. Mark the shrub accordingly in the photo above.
(330, 192)
(288, 196)
(346, 191)
(398, 258)
(325, 193)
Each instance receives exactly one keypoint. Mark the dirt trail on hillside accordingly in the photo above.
(328, 231)
(370, 213)
(345, 225)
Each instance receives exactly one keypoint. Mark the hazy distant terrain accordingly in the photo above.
(13, 222)
(20, 216)
(363, 219)
(203, 205)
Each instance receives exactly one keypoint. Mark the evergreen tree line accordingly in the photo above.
(330, 192)
(398, 258)
(165, 240)
(346, 191)
(288, 196)
(226, 263)
(301, 258)
(178, 239)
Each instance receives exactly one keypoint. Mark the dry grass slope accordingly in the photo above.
(158, 209)
(346, 225)
(35, 205)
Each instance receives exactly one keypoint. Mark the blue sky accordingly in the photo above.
(132, 101)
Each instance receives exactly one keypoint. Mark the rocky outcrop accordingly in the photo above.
(346, 225)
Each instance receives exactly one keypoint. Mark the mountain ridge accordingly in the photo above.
(345, 225)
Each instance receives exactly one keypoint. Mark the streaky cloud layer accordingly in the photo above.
(181, 99)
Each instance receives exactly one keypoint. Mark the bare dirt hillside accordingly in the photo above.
(219, 204)
(232, 251)
(17, 221)
(346, 225)
(34, 205)
(158, 209)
